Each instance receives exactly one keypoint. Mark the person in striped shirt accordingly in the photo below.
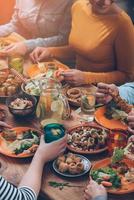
(30, 184)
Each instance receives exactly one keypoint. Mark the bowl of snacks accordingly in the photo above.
(31, 87)
(71, 165)
(22, 105)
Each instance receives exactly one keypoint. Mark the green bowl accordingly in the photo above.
(53, 132)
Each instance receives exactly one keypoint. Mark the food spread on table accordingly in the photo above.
(118, 108)
(51, 69)
(70, 163)
(9, 83)
(87, 139)
(74, 94)
(32, 87)
(21, 103)
(115, 173)
(113, 111)
(19, 142)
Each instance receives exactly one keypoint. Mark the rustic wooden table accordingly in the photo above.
(14, 169)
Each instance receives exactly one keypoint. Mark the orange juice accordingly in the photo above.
(116, 139)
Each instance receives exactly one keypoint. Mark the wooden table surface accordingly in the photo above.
(14, 169)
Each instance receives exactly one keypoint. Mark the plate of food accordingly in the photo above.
(10, 83)
(74, 93)
(71, 165)
(19, 142)
(87, 139)
(116, 173)
(114, 114)
(51, 69)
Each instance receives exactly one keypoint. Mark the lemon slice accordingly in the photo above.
(56, 105)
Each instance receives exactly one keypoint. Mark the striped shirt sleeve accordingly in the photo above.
(9, 192)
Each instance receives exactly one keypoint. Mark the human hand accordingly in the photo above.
(40, 54)
(93, 190)
(102, 93)
(49, 151)
(18, 48)
(74, 77)
(4, 125)
(130, 119)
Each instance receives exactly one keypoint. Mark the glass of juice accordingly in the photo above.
(16, 62)
(116, 138)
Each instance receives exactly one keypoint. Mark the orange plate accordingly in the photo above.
(127, 187)
(4, 149)
(34, 70)
(108, 123)
(82, 151)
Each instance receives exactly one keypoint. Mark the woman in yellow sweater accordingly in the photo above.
(101, 41)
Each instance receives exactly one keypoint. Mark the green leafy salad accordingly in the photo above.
(114, 112)
(106, 175)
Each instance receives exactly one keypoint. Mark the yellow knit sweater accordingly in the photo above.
(103, 45)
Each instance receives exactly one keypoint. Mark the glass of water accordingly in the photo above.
(88, 106)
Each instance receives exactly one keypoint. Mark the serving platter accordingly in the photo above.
(126, 187)
(4, 147)
(108, 123)
(35, 70)
(95, 149)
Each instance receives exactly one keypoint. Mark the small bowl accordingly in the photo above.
(23, 85)
(25, 111)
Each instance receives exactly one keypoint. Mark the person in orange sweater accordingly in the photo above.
(101, 41)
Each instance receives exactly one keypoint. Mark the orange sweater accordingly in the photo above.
(103, 45)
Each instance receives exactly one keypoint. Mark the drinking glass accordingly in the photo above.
(116, 139)
(88, 106)
(16, 62)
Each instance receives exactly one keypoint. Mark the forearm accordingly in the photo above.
(33, 176)
(8, 192)
(58, 40)
(115, 77)
(6, 30)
